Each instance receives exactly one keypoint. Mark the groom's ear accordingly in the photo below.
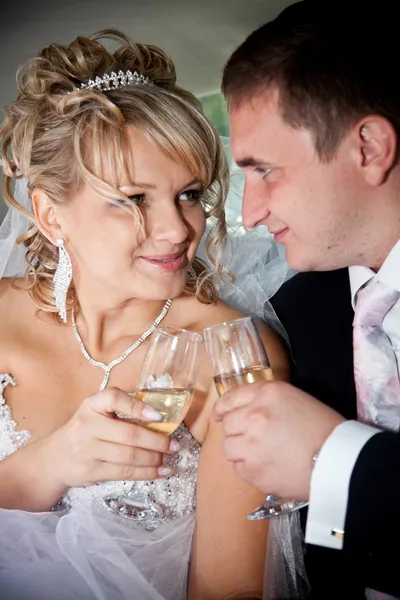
(46, 215)
(376, 139)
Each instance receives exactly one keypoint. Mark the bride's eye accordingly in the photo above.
(191, 196)
(136, 199)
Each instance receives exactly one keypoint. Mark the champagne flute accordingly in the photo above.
(166, 383)
(238, 357)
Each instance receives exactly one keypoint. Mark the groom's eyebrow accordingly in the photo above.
(251, 161)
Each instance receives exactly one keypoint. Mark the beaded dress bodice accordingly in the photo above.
(176, 494)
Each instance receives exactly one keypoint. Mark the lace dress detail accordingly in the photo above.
(89, 553)
(10, 438)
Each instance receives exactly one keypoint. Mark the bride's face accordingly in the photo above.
(108, 248)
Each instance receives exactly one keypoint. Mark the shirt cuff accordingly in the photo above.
(330, 483)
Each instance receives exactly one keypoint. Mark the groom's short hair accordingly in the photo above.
(332, 65)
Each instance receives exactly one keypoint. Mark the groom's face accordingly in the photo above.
(310, 205)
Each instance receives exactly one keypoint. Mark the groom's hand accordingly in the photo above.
(272, 431)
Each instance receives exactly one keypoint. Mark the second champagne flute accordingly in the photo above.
(166, 383)
(238, 357)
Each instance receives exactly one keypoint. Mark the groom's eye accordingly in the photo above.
(263, 171)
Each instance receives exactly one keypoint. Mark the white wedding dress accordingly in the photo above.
(87, 552)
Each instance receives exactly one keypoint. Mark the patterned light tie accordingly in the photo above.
(376, 371)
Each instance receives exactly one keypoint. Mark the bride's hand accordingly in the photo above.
(95, 446)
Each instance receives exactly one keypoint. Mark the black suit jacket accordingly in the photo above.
(316, 311)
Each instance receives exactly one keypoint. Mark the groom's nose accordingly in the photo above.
(254, 206)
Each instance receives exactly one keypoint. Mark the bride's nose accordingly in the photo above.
(166, 223)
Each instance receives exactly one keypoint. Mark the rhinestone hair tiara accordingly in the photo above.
(114, 81)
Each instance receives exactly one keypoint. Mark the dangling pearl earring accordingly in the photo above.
(62, 279)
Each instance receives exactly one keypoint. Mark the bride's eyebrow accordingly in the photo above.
(146, 186)
(192, 182)
(150, 186)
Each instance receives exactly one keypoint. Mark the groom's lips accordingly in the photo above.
(279, 234)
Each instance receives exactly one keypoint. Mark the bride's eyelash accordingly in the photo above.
(193, 196)
(136, 199)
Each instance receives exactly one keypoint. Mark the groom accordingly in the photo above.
(314, 101)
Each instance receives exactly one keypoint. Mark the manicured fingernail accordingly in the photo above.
(164, 471)
(151, 414)
(174, 446)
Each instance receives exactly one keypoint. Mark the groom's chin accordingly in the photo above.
(303, 263)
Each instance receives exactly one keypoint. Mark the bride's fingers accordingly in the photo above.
(111, 472)
(120, 454)
(113, 400)
(121, 432)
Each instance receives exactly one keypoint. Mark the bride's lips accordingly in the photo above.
(168, 262)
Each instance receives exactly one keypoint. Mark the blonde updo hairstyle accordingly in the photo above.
(59, 138)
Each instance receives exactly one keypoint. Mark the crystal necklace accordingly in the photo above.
(124, 355)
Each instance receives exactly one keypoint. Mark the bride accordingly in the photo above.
(123, 171)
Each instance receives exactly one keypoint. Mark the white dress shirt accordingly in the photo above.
(331, 476)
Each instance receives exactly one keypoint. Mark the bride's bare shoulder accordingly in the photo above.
(15, 302)
(10, 288)
(208, 315)
(218, 313)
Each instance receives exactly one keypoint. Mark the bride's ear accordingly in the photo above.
(46, 215)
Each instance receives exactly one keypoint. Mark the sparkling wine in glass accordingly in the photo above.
(166, 383)
(238, 357)
(172, 403)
